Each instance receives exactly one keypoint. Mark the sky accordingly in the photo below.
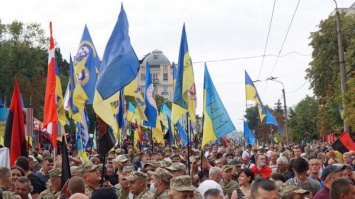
(228, 35)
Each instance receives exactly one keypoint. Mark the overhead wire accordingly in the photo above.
(251, 57)
(267, 38)
(283, 43)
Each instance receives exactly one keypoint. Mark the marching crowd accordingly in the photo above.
(267, 172)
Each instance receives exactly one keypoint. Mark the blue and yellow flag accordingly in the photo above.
(216, 121)
(132, 89)
(86, 63)
(248, 134)
(184, 99)
(271, 120)
(60, 101)
(119, 67)
(149, 99)
(165, 114)
(120, 116)
(252, 94)
(184, 138)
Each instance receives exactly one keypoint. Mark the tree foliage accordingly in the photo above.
(23, 53)
(303, 120)
(323, 72)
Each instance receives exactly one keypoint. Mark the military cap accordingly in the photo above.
(55, 173)
(86, 167)
(162, 173)
(181, 183)
(164, 163)
(177, 166)
(120, 158)
(226, 168)
(127, 169)
(135, 175)
(288, 188)
(152, 163)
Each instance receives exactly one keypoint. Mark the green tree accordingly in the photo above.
(323, 72)
(304, 119)
(24, 54)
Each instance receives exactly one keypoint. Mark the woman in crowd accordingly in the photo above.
(245, 178)
(16, 172)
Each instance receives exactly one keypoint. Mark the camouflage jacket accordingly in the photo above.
(49, 194)
(146, 194)
(88, 191)
(162, 195)
(229, 187)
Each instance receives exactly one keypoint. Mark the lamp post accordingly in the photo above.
(285, 107)
(341, 62)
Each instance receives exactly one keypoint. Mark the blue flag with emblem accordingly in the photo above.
(119, 67)
(149, 99)
(86, 63)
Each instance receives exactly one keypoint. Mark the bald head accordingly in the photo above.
(79, 196)
(76, 184)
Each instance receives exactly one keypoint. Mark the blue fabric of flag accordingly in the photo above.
(248, 134)
(149, 99)
(271, 120)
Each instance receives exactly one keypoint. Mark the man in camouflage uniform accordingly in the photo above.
(161, 182)
(122, 188)
(228, 185)
(138, 186)
(53, 191)
(181, 187)
(91, 175)
(177, 169)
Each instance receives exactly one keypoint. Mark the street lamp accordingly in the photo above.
(285, 107)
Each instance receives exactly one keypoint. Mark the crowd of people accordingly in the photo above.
(217, 172)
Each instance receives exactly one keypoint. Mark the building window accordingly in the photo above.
(155, 56)
(165, 88)
(155, 77)
(165, 76)
(142, 77)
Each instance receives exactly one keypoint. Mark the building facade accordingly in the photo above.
(161, 72)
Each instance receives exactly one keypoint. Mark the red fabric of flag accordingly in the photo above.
(15, 127)
(50, 118)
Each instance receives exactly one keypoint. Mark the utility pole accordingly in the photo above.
(286, 122)
(285, 107)
(341, 63)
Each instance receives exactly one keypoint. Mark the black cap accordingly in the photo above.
(107, 193)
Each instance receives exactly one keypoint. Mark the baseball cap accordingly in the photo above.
(177, 166)
(181, 183)
(226, 168)
(121, 158)
(135, 175)
(287, 188)
(86, 167)
(107, 193)
(332, 168)
(162, 173)
(152, 163)
(55, 173)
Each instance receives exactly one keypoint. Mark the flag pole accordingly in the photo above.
(188, 143)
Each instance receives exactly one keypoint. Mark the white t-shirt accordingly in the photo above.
(207, 185)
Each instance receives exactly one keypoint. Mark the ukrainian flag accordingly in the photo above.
(119, 67)
(184, 99)
(132, 90)
(216, 121)
(252, 94)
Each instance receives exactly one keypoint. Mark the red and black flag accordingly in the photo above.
(344, 143)
(15, 127)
